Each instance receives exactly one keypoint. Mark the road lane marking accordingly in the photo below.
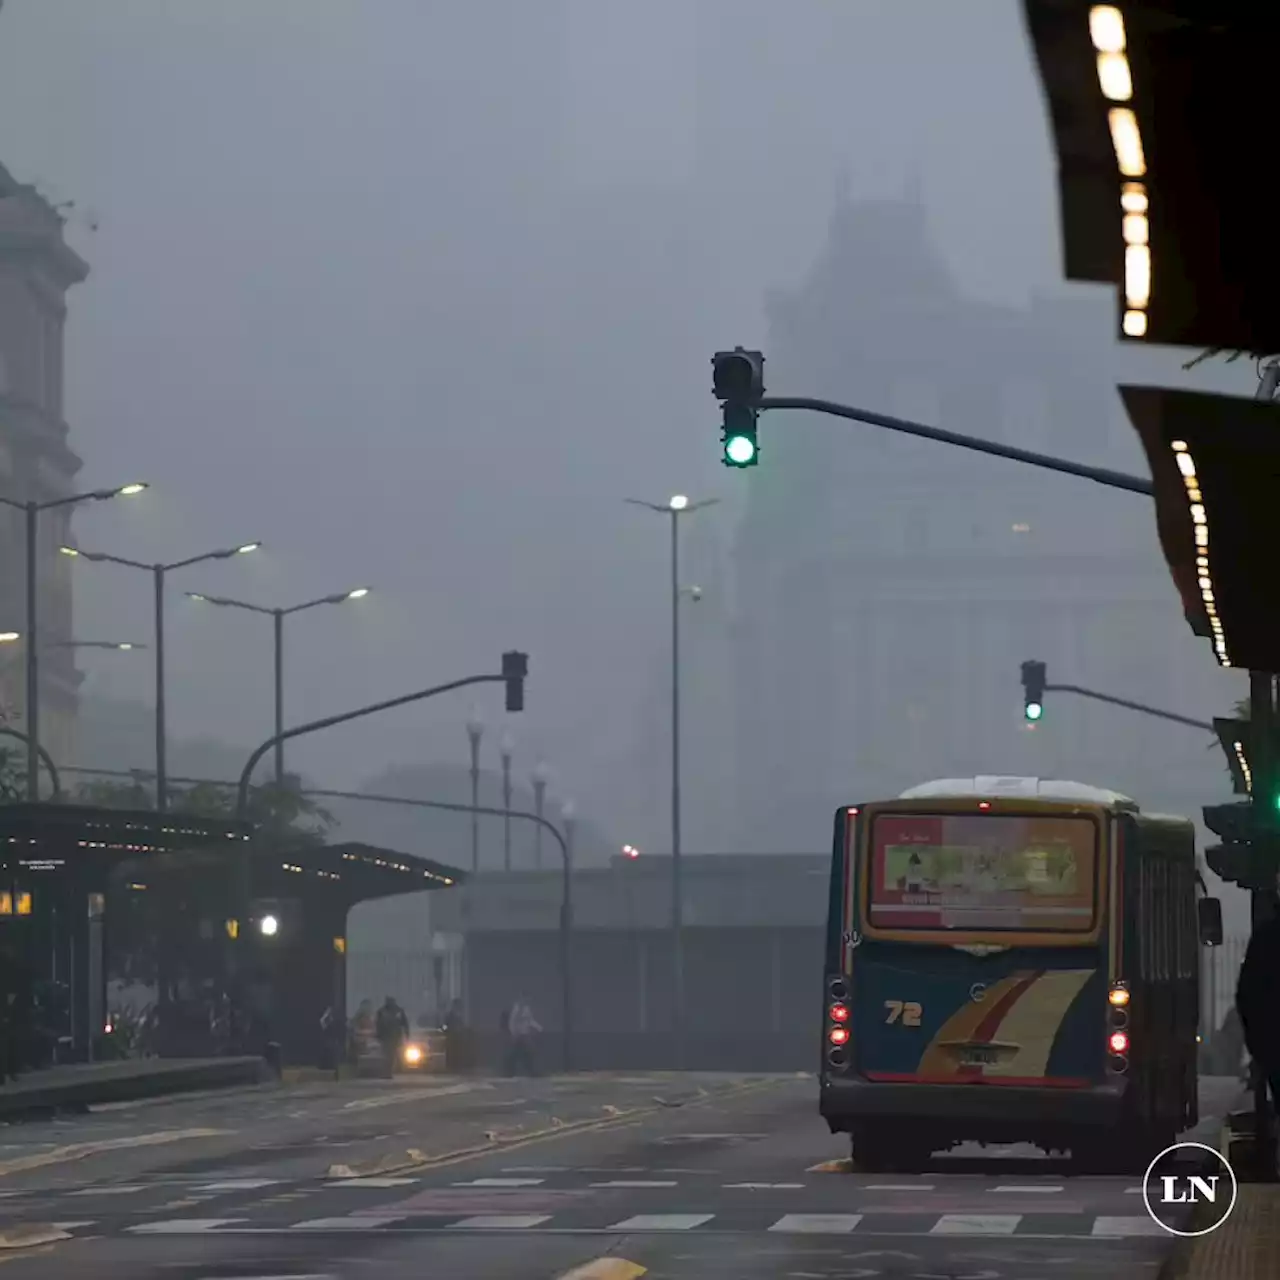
(182, 1226)
(26, 1235)
(624, 1182)
(374, 1182)
(503, 1221)
(365, 1222)
(979, 1224)
(83, 1150)
(817, 1223)
(762, 1186)
(900, 1186)
(662, 1222)
(400, 1096)
(606, 1269)
(114, 1190)
(502, 1182)
(1034, 1190)
(1113, 1226)
(239, 1184)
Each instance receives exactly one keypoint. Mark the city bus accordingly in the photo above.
(1010, 960)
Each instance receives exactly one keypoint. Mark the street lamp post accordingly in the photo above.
(676, 506)
(31, 512)
(569, 814)
(541, 776)
(475, 731)
(506, 748)
(277, 617)
(158, 573)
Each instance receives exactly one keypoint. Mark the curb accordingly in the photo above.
(557, 1129)
(1178, 1259)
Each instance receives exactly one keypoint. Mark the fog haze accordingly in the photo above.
(418, 292)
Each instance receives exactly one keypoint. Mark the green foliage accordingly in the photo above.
(107, 793)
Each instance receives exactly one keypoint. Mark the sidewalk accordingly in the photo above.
(1246, 1246)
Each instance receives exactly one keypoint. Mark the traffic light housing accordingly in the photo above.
(1033, 687)
(1246, 857)
(737, 381)
(515, 667)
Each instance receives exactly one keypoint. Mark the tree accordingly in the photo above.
(107, 793)
(279, 813)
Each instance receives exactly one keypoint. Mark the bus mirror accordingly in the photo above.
(1209, 911)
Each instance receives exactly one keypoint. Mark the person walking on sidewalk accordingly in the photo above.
(1260, 1017)
(393, 1030)
(522, 1029)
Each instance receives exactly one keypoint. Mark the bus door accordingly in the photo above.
(980, 958)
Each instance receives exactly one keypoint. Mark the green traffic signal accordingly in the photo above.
(739, 451)
(1034, 711)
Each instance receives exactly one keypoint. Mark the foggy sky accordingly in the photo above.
(417, 291)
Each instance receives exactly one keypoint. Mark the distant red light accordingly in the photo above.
(839, 1013)
(1119, 1042)
(853, 813)
(838, 1035)
(984, 804)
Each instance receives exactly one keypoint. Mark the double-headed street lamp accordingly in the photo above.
(32, 510)
(676, 506)
(277, 617)
(158, 573)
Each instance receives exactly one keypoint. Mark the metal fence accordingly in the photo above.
(1220, 967)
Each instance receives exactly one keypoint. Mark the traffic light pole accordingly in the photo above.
(1132, 706)
(1099, 475)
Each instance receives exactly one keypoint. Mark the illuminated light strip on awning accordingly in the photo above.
(1200, 529)
(1244, 766)
(1115, 79)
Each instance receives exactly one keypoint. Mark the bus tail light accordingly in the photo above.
(839, 1013)
(838, 1035)
(1118, 1043)
(1118, 997)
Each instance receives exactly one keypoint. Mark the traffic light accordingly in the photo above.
(1246, 857)
(515, 666)
(737, 381)
(1033, 687)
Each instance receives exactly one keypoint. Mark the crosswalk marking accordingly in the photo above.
(981, 1224)
(817, 1223)
(378, 1183)
(355, 1222)
(502, 1182)
(662, 1222)
(183, 1226)
(763, 1186)
(1034, 1189)
(106, 1191)
(1113, 1226)
(899, 1186)
(503, 1221)
(238, 1184)
(622, 1182)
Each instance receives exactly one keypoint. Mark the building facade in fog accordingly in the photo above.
(888, 588)
(37, 267)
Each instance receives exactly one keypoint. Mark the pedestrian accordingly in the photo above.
(392, 1028)
(1255, 1002)
(457, 1039)
(523, 1029)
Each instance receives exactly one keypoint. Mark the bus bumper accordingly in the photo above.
(845, 1102)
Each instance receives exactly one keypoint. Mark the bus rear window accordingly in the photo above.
(983, 871)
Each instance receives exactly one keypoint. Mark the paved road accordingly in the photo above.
(729, 1178)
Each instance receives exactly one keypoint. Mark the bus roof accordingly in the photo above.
(1025, 788)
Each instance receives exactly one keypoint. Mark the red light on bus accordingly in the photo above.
(838, 1035)
(853, 813)
(839, 1013)
(984, 804)
(1118, 1042)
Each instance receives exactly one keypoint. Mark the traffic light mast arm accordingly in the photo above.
(1100, 475)
(1132, 706)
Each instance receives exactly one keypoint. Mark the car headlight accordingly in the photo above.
(413, 1055)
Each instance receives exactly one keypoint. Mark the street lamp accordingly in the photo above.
(676, 506)
(506, 748)
(475, 731)
(541, 776)
(32, 510)
(277, 617)
(158, 573)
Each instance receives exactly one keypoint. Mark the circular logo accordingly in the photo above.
(1181, 1181)
(978, 992)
